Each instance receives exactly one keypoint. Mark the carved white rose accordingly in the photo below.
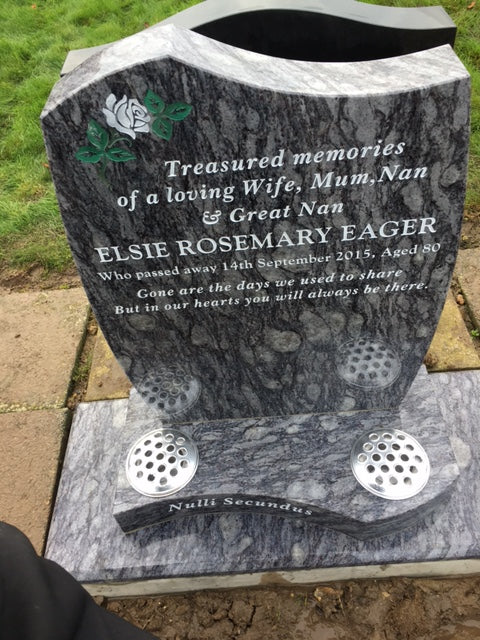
(126, 115)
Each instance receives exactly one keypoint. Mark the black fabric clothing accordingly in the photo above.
(41, 601)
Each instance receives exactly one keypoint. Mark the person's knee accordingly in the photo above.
(14, 546)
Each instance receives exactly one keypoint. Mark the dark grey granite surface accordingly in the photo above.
(289, 29)
(296, 466)
(320, 291)
(86, 540)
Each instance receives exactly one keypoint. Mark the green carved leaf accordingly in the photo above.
(178, 111)
(120, 155)
(163, 128)
(89, 154)
(97, 135)
(154, 103)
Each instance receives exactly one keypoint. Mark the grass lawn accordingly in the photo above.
(34, 40)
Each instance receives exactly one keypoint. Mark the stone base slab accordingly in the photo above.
(233, 549)
(294, 466)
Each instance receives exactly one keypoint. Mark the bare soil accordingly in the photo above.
(394, 609)
(36, 278)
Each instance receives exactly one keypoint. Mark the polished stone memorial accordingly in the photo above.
(256, 548)
(279, 239)
(350, 31)
(267, 244)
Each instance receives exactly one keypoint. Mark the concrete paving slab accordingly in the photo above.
(452, 347)
(467, 271)
(41, 335)
(107, 380)
(30, 445)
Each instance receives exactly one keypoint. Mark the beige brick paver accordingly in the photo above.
(41, 335)
(107, 380)
(467, 271)
(452, 347)
(30, 445)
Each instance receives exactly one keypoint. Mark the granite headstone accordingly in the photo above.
(320, 31)
(261, 238)
(264, 240)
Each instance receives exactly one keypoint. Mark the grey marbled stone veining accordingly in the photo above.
(327, 297)
(300, 465)
(371, 77)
